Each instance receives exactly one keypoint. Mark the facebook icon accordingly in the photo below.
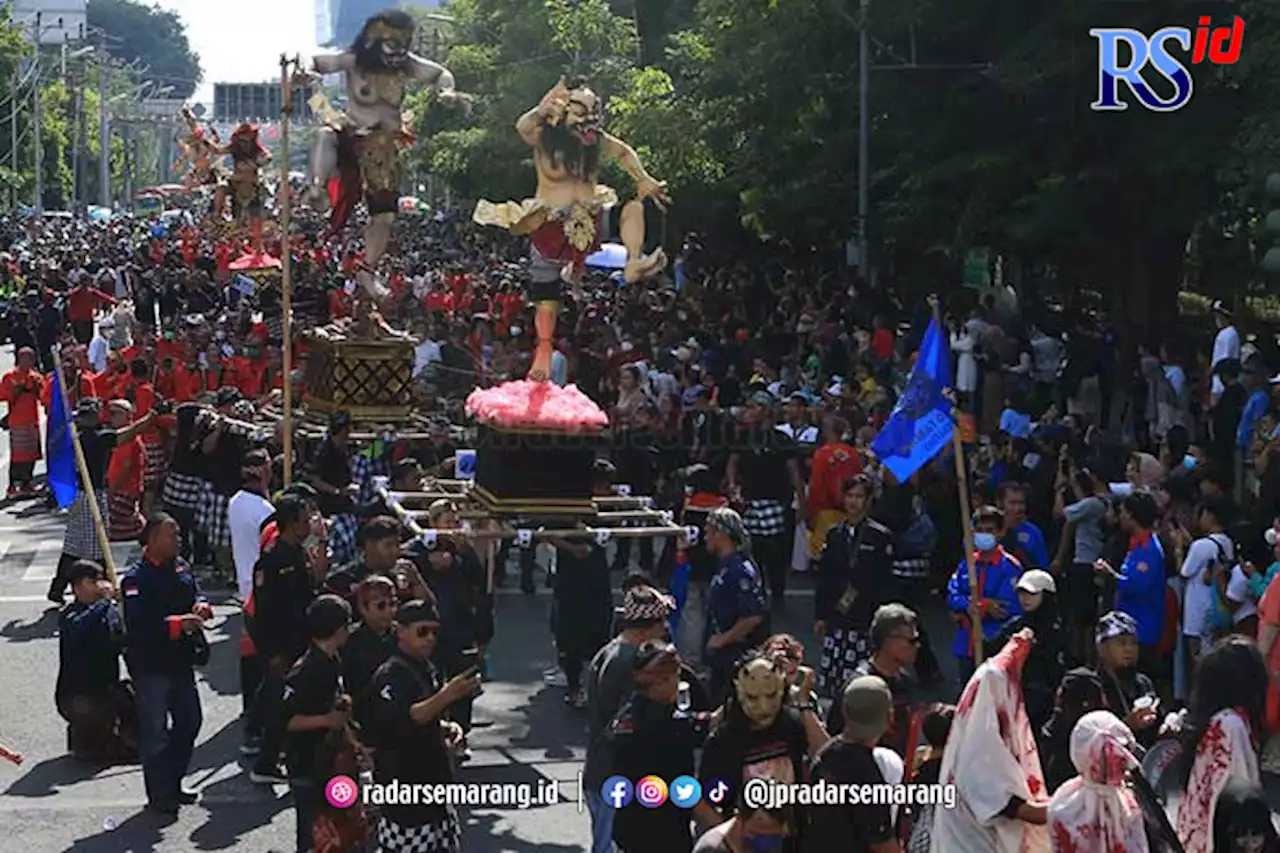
(617, 791)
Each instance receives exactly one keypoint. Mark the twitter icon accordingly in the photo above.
(685, 792)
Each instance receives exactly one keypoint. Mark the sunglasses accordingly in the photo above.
(382, 604)
(914, 639)
(424, 631)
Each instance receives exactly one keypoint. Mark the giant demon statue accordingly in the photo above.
(564, 219)
(198, 151)
(244, 186)
(358, 150)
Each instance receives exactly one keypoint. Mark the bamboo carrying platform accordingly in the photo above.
(370, 380)
(603, 518)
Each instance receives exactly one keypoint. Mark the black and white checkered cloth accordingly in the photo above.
(444, 836)
(765, 518)
(342, 539)
(211, 517)
(182, 491)
(81, 539)
(155, 459)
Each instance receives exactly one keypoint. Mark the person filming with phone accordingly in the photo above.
(415, 743)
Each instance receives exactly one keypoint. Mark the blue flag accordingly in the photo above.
(920, 425)
(62, 476)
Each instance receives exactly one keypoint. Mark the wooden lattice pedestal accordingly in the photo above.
(371, 380)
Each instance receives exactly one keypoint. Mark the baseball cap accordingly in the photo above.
(413, 612)
(867, 704)
(1036, 581)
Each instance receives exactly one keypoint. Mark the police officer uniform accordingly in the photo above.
(855, 576)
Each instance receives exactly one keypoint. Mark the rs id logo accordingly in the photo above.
(1221, 46)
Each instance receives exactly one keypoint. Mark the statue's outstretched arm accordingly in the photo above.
(432, 73)
(332, 63)
(626, 157)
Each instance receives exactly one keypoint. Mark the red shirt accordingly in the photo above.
(109, 385)
(169, 349)
(339, 306)
(439, 301)
(124, 473)
(882, 344)
(82, 302)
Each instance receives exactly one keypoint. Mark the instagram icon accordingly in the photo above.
(651, 792)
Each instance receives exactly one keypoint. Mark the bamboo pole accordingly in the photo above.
(966, 518)
(86, 486)
(286, 265)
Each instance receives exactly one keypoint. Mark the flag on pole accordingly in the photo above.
(920, 425)
(62, 476)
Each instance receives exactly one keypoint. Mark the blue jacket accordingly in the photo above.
(88, 647)
(1140, 590)
(736, 592)
(150, 593)
(997, 573)
(1028, 546)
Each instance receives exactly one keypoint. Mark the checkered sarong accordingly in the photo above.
(211, 517)
(156, 463)
(182, 491)
(124, 521)
(765, 518)
(443, 836)
(81, 537)
(24, 444)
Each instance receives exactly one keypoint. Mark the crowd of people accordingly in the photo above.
(1125, 547)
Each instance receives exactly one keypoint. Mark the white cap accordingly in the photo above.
(1036, 581)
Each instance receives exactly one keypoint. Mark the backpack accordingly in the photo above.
(1221, 615)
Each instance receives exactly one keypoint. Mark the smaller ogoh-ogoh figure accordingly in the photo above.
(244, 185)
(198, 149)
(358, 151)
(564, 218)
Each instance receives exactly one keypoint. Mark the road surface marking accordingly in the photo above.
(44, 564)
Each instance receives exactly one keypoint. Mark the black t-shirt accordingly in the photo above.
(332, 465)
(310, 690)
(903, 690)
(97, 445)
(407, 752)
(850, 828)
(362, 654)
(763, 472)
(736, 753)
(646, 740)
(186, 448)
(223, 466)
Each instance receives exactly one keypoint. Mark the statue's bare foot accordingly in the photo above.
(645, 266)
(372, 286)
(317, 198)
(540, 370)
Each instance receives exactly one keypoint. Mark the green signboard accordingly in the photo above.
(977, 268)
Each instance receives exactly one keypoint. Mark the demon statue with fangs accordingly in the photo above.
(565, 217)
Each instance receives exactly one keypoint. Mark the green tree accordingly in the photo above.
(151, 36)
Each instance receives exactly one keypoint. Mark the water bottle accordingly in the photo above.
(683, 701)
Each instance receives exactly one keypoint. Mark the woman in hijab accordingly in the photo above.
(1220, 737)
(992, 761)
(1095, 812)
(1038, 595)
(1144, 471)
(1080, 693)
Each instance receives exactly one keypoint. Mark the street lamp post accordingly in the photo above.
(39, 140)
(864, 142)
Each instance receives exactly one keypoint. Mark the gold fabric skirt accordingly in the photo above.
(524, 217)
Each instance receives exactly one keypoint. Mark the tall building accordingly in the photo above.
(61, 21)
(338, 22)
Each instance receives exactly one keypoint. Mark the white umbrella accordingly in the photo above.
(611, 256)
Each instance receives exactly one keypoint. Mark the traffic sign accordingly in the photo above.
(198, 111)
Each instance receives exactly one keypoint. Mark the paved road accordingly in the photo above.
(52, 804)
